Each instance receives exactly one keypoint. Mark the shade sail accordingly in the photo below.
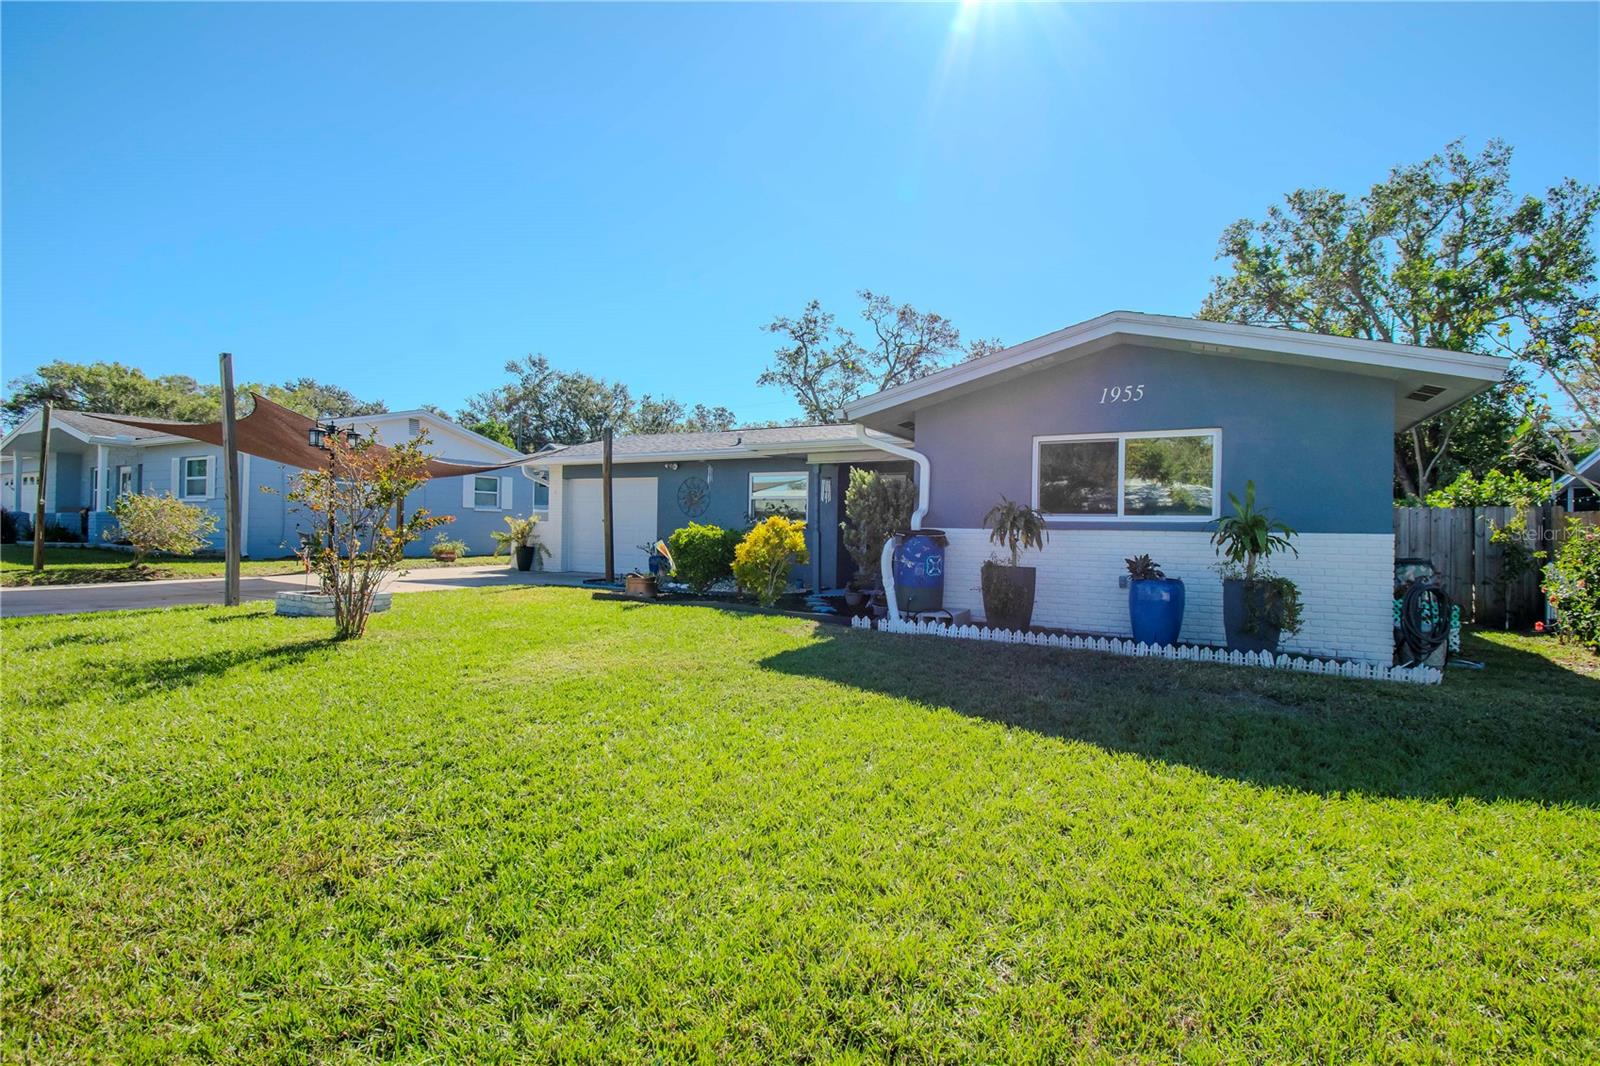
(274, 432)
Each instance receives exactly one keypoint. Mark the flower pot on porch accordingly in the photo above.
(524, 558)
(1155, 609)
(1251, 615)
(1008, 593)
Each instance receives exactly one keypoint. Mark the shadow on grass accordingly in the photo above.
(1525, 728)
(145, 677)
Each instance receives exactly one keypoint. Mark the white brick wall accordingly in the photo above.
(1346, 581)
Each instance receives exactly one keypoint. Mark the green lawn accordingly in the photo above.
(87, 566)
(530, 823)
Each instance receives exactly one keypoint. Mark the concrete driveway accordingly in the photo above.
(138, 595)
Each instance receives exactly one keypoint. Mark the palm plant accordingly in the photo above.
(1015, 526)
(1250, 534)
(518, 533)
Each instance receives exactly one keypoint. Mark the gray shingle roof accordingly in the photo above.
(643, 444)
(97, 425)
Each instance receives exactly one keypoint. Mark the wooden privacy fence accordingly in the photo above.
(1472, 566)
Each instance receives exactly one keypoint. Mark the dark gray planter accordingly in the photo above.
(524, 558)
(1250, 613)
(1008, 595)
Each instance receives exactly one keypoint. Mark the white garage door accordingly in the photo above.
(633, 507)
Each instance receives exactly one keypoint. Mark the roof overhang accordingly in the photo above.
(843, 450)
(1427, 381)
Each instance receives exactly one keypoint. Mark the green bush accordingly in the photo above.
(761, 561)
(1572, 584)
(702, 555)
(1495, 489)
(877, 506)
(160, 524)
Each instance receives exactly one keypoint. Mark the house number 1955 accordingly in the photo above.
(1122, 394)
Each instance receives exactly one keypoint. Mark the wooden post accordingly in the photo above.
(230, 488)
(605, 502)
(44, 477)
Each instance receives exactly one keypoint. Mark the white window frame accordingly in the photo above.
(1122, 439)
(479, 506)
(750, 489)
(119, 472)
(184, 477)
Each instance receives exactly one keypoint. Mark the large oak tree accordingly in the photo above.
(1440, 254)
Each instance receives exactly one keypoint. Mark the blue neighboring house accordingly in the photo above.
(92, 461)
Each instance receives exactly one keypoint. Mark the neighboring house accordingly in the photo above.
(92, 461)
(1130, 431)
(1573, 494)
(662, 481)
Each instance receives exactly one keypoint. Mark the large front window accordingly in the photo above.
(783, 494)
(1162, 475)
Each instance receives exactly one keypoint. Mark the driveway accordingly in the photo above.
(132, 596)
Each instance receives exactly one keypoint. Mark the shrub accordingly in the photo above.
(1496, 489)
(8, 526)
(1572, 584)
(160, 524)
(443, 545)
(761, 561)
(55, 531)
(876, 506)
(702, 555)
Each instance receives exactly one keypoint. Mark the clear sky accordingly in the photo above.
(399, 198)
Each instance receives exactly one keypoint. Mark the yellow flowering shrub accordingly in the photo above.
(761, 561)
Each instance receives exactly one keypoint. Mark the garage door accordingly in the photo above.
(633, 503)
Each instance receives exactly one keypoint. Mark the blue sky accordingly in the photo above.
(400, 198)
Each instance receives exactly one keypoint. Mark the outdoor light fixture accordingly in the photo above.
(317, 436)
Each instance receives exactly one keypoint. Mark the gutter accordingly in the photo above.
(886, 560)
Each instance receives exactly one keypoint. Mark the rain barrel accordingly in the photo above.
(919, 571)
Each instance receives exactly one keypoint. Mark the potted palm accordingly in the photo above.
(519, 538)
(447, 549)
(1155, 602)
(1008, 588)
(1258, 606)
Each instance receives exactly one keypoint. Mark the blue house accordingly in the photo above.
(732, 479)
(93, 461)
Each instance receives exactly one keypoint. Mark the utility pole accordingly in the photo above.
(605, 502)
(38, 503)
(230, 488)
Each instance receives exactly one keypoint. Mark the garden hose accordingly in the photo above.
(1424, 619)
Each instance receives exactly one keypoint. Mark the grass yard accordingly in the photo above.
(91, 566)
(532, 824)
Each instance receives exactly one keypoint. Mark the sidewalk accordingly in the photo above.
(138, 595)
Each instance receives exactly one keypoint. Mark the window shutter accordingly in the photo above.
(175, 488)
(506, 498)
(211, 477)
(466, 491)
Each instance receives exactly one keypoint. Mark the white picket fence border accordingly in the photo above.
(1187, 653)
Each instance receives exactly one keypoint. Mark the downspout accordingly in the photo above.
(886, 561)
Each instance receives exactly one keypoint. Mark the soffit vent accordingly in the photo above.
(1425, 393)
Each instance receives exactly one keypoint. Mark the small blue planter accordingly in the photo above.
(1155, 608)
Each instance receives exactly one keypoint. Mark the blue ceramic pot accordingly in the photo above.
(1156, 610)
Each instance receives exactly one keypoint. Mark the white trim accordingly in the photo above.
(1122, 456)
(428, 417)
(1419, 675)
(848, 447)
(1267, 339)
(750, 489)
(181, 488)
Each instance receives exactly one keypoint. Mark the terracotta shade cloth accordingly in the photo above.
(274, 432)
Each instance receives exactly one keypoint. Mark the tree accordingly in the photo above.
(825, 367)
(312, 398)
(160, 524)
(1439, 254)
(543, 405)
(358, 502)
(111, 388)
(876, 506)
(1559, 441)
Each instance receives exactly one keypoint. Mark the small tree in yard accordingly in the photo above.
(160, 524)
(876, 507)
(761, 561)
(364, 528)
(702, 555)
